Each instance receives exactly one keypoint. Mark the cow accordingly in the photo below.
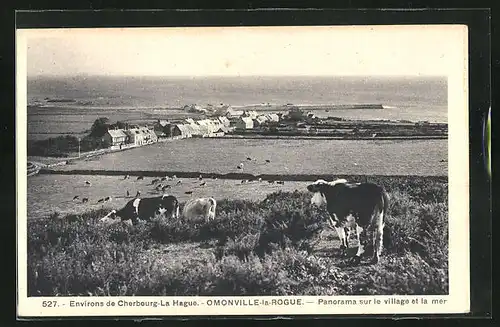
(145, 209)
(358, 207)
(200, 207)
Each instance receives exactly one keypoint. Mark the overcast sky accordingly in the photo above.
(233, 51)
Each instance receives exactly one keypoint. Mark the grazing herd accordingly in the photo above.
(353, 208)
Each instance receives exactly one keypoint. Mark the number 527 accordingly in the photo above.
(49, 304)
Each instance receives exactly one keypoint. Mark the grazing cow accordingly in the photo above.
(85, 200)
(189, 192)
(128, 193)
(248, 158)
(200, 177)
(268, 161)
(126, 177)
(271, 182)
(100, 201)
(201, 207)
(179, 182)
(106, 199)
(164, 179)
(165, 187)
(138, 194)
(260, 179)
(280, 182)
(75, 197)
(88, 183)
(140, 177)
(203, 184)
(355, 206)
(146, 208)
(154, 181)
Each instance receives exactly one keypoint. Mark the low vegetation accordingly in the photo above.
(252, 248)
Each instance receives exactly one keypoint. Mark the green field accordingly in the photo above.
(243, 251)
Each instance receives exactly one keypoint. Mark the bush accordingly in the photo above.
(254, 248)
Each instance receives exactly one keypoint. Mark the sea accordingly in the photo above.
(404, 98)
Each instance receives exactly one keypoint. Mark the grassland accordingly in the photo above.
(253, 247)
(222, 156)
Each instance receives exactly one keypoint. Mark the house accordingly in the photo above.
(260, 120)
(244, 123)
(149, 136)
(114, 137)
(141, 136)
(224, 121)
(220, 132)
(135, 136)
(181, 131)
(201, 131)
(162, 127)
(251, 113)
(273, 117)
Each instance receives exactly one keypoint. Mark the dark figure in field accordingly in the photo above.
(85, 200)
(358, 207)
(145, 209)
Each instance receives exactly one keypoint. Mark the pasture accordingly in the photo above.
(54, 193)
(243, 251)
(354, 157)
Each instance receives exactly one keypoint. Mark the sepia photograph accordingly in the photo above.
(209, 162)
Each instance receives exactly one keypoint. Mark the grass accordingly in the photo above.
(267, 247)
(286, 157)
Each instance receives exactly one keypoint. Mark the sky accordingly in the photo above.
(423, 50)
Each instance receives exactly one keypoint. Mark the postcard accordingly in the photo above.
(195, 171)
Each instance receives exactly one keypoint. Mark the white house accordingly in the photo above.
(114, 137)
(244, 123)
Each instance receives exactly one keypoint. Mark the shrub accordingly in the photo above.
(254, 248)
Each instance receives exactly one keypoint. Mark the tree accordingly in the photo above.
(99, 127)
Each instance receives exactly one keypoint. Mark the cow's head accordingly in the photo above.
(320, 188)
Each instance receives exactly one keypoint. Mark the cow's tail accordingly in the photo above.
(386, 200)
(387, 240)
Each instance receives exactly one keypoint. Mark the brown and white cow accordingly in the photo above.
(200, 207)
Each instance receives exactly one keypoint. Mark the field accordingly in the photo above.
(418, 157)
(243, 251)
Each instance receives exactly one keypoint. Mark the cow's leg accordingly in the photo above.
(343, 240)
(361, 237)
(378, 238)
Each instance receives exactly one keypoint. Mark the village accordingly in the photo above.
(211, 126)
(227, 122)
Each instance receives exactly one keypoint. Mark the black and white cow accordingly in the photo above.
(358, 207)
(145, 209)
